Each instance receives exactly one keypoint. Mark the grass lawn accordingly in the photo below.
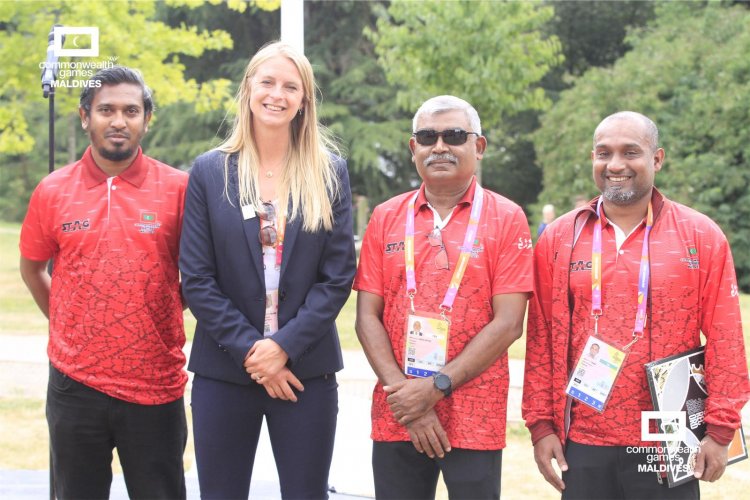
(18, 312)
(20, 316)
(23, 445)
(23, 430)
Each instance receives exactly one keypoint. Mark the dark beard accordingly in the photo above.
(117, 155)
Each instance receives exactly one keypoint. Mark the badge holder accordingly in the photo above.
(595, 373)
(599, 365)
(427, 333)
(597, 370)
(426, 343)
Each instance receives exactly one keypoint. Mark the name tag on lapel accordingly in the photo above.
(248, 212)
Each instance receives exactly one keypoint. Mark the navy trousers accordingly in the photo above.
(227, 420)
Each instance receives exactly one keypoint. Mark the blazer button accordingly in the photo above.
(282, 295)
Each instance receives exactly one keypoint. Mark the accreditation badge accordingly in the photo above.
(271, 320)
(595, 373)
(426, 344)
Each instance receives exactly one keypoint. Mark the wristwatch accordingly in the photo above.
(442, 382)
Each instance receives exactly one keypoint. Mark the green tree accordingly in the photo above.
(689, 72)
(150, 45)
(250, 27)
(358, 104)
(493, 54)
(592, 33)
(131, 34)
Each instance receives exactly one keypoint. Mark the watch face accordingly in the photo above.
(442, 381)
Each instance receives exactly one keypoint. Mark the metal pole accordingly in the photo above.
(51, 130)
(51, 154)
(49, 75)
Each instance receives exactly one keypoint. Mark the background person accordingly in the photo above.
(268, 213)
(454, 420)
(689, 288)
(111, 222)
(548, 215)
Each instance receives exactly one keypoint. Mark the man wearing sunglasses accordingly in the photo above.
(454, 259)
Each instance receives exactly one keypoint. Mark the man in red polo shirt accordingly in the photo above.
(443, 280)
(631, 277)
(110, 223)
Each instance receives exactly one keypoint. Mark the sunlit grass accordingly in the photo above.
(20, 316)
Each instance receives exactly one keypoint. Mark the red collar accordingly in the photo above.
(135, 174)
(467, 197)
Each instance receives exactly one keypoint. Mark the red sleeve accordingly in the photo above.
(369, 276)
(542, 428)
(513, 267)
(726, 364)
(37, 236)
(720, 434)
(536, 406)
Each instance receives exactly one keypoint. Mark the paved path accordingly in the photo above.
(23, 372)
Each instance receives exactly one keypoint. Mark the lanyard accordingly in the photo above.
(644, 276)
(280, 229)
(463, 258)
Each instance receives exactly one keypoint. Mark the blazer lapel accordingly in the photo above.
(250, 226)
(290, 236)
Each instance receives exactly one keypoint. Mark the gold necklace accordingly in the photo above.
(269, 173)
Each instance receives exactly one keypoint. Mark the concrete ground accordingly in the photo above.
(23, 372)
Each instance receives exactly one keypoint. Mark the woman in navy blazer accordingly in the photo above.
(267, 262)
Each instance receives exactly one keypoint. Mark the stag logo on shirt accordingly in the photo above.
(395, 246)
(76, 225)
(580, 265)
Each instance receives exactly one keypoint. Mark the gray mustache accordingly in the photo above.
(441, 157)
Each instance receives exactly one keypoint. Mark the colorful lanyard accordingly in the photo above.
(280, 229)
(644, 275)
(463, 258)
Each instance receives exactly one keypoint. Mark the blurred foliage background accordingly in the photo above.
(541, 74)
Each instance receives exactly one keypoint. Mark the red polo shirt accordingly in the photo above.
(115, 304)
(474, 416)
(679, 261)
(692, 293)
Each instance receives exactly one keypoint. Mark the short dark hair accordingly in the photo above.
(114, 76)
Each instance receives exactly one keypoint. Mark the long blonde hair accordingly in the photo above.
(308, 178)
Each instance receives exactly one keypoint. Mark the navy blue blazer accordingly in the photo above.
(221, 261)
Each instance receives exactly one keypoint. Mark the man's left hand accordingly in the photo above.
(412, 398)
(711, 460)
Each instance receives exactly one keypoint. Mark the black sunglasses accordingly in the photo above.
(451, 136)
